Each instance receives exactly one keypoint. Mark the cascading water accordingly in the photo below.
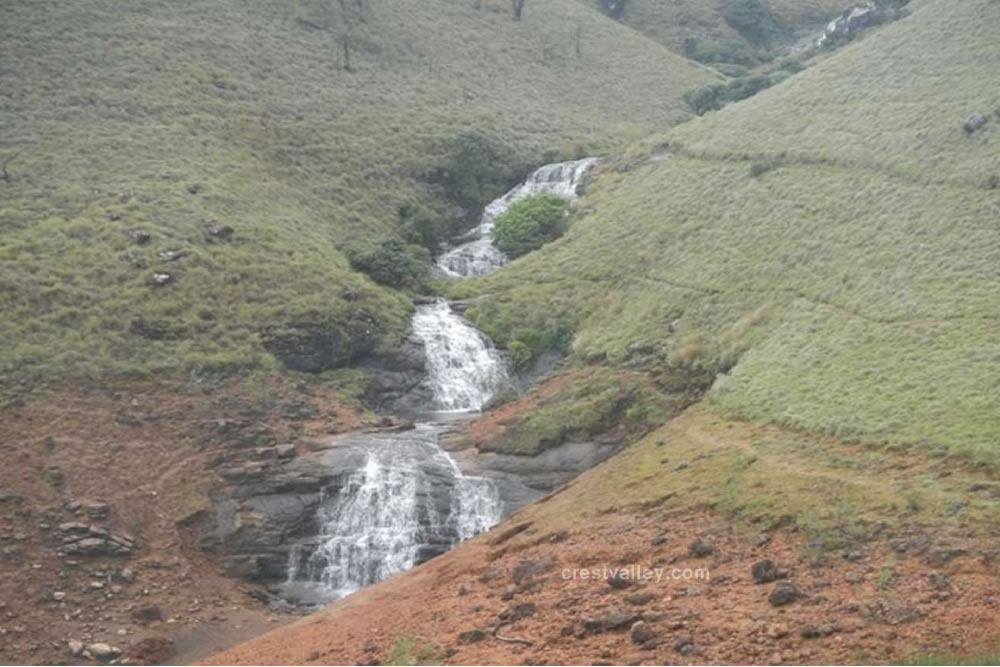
(478, 255)
(407, 501)
(464, 370)
(406, 498)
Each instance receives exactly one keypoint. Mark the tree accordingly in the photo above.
(530, 223)
(517, 7)
(347, 19)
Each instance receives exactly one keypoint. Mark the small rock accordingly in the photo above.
(700, 549)
(591, 625)
(777, 631)
(471, 636)
(618, 582)
(218, 231)
(54, 475)
(659, 540)
(517, 612)
(617, 619)
(171, 255)
(976, 122)
(783, 594)
(809, 632)
(639, 599)
(641, 632)
(97, 511)
(194, 188)
(764, 572)
(103, 651)
(939, 581)
(684, 646)
(59, 596)
(114, 216)
(147, 614)
(75, 646)
(138, 236)
(161, 280)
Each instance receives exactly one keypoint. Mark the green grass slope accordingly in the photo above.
(159, 116)
(829, 247)
(672, 23)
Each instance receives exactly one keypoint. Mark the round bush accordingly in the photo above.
(530, 223)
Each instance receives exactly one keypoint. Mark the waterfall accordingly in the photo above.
(477, 255)
(399, 498)
(464, 369)
(408, 501)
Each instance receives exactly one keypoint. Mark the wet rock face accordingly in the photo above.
(271, 511)
(399, 379)
(856, 20)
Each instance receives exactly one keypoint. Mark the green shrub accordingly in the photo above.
(394, 263)
(731, 51)
(478, 168)
(711, 98)
(530, 223)
(422, 228)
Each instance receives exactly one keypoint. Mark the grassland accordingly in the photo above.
(155, 116)
(672, 23)
(848, 289)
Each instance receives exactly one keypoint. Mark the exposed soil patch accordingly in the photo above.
(101, 494)
(481, 604)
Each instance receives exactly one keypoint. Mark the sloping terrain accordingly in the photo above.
(828, 251)
(684, 26)
(516, 595)
(829, 247)
(255, 156)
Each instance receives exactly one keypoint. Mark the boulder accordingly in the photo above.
(641, 632)
(764, 572)
(848, 25)
(783, 594)
(701, 549)
(976, 121)
(103, 652)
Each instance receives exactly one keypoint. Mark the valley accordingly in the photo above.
(272, 393)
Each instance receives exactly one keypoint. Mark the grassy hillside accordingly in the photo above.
(674, 24)
(167, 118)
(828, 247)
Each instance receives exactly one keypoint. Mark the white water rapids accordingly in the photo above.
(407, 499)
(477, 255)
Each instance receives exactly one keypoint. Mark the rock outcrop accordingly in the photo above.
(314, 345)
(856, 20)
